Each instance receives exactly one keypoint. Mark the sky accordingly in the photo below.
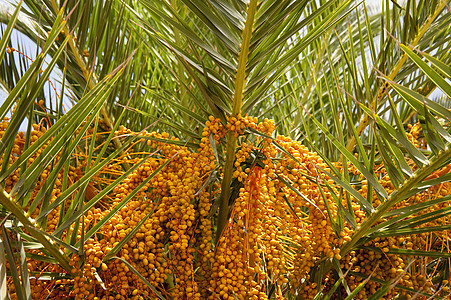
(29, 48)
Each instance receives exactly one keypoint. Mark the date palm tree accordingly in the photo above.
(345, 81)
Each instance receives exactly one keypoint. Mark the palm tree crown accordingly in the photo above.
(225, 149)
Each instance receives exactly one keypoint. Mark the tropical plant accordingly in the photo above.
(134, 164)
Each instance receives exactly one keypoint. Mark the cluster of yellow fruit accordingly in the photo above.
(275, 233)
(282, 223)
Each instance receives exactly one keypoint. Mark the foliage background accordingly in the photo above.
(343, 81)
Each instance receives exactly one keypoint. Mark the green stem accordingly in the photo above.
(182, 94)
(383, 89)
(225, 187)
(91, 80)
(240, 84)
(395, 197)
